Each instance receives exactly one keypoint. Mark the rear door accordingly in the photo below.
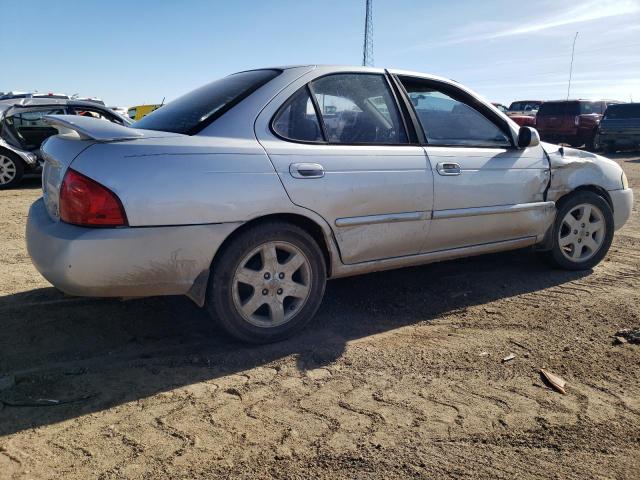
(341, 149)
(485, 189)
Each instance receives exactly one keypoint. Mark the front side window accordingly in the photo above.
(193, 111)
(297, 120)
(449, 121)
(358, 109)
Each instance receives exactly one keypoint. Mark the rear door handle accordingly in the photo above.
(306, 170)
(449, 168)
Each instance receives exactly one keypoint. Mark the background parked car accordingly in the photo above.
(571, 121)
(500, 107)
(523, 112)
(524, 107)
(141, 111)
(17, 95)
(619, 127)
(22, 132)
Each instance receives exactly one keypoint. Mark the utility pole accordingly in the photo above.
(573, 49)
(367, 48)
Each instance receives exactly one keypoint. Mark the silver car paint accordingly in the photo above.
(191, 193)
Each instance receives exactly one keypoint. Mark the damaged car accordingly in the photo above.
(248, 193)
(23, 130)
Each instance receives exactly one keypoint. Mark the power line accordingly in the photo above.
(367, 47)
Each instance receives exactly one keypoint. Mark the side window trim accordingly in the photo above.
(410, 135)
(412, 117)
(444, 87)
(320, 118)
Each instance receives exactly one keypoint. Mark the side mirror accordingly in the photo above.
(528, 137)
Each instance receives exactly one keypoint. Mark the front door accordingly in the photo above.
(485, 189)
(341, 149)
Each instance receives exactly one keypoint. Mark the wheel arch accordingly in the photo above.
(587, 188)
(322, 236)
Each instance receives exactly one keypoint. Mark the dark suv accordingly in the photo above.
(571, 121)
(620, 127)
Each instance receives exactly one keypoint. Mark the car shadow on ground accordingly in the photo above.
(93, 354)
(30, 181)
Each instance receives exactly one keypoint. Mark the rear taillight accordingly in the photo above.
(87, 203)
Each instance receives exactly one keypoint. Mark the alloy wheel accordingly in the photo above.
(582, 232)
(271, 284)
(7, 170)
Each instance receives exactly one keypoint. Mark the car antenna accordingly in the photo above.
(573, 49)
(162, 103)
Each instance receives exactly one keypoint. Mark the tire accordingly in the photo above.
(252, 276)
(594, 144)
(585, 249)
(11, 169)
(609, 147)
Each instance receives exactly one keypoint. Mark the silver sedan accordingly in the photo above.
(249, 192)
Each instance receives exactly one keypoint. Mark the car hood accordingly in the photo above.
(572, 168)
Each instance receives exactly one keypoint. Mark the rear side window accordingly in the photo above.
(297, 119)
(358, 109)
(192, 112)
(626, 111)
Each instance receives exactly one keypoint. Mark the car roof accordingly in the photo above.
(45, 102)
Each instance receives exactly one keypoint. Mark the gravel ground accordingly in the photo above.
(400, 375)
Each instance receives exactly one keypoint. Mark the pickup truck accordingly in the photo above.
(620, 127)
(571, 121)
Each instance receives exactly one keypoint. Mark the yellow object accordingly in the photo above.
(139, 111)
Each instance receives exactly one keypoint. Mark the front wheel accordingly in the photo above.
(594, 144)
(267, 283)
(582, 232)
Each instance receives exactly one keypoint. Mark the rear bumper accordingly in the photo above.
(116, 262)
(622, 204)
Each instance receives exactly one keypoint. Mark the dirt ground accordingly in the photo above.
(390, 381)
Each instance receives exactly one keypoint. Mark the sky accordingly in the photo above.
(133, 52)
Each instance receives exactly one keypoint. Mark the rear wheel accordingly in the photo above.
(11, 170)
(582, 232)
(267, 283)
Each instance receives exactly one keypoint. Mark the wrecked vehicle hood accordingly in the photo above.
(572, 168)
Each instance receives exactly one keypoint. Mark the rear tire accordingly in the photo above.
(267, 283)
(582, 232)
(11, 169)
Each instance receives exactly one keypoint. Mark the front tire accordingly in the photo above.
(582, 232)
(267, 283)
(11, 170)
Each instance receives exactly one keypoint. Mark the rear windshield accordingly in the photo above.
(569, 108)
(630, 110)
(192, 112)
(524, 106)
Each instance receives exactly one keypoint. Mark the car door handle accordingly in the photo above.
(449, 168)
(306, 170)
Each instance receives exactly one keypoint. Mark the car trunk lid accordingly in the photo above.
(77, 134)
